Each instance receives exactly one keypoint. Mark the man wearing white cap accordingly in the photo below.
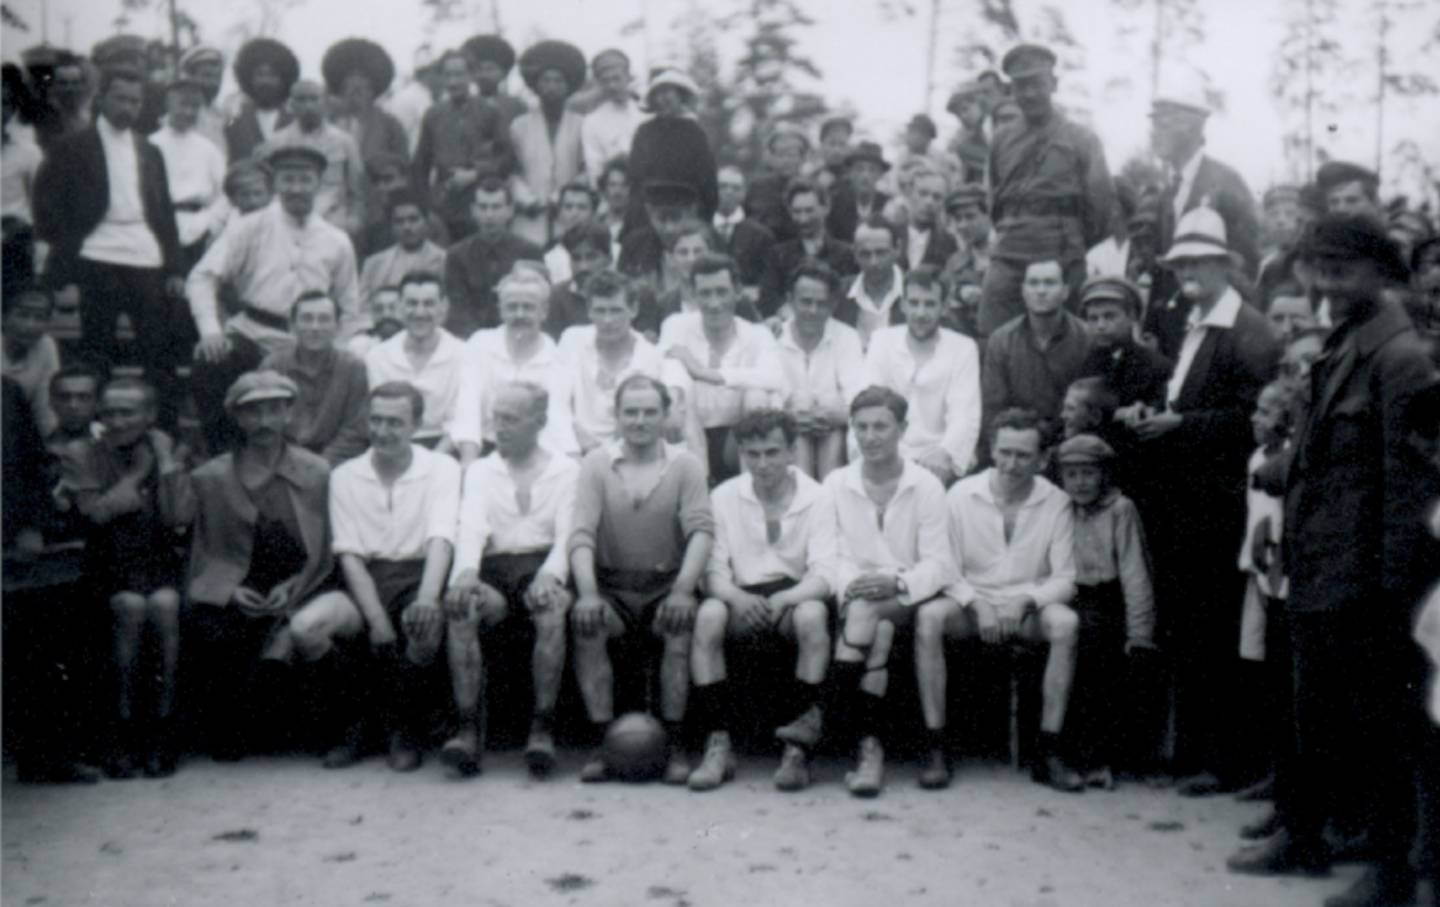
(1177, 134)
(1202, 437)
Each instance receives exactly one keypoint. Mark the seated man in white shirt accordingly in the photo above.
(393, 512)
(596, 357)
(1012, 536)
(424, 355)
(734, 363)
(769, 574)
(892, 555)
(518, 350)
(820, 357)
(510, 558)
(938, 373)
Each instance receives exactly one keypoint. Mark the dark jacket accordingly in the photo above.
(844, 217)
(472, 269)
(789, 254)
(242, 132)
(937, 251)
(672, 149)
(1131, 372)
(72, 194)
(753, 247)
(1362, 476)
(1220, 187)
(765, 204)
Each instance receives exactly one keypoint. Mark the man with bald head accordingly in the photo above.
(511, 560)
(342, 185)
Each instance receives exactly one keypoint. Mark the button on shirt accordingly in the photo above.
(875, 314)
(492, 521)
(1221, 317)
(744, 555)
(122, 237)
(943, 393)
(829, 372)
(1039, 558)
(907, 541)
(394, 523)
(195, 172)
(487, 366)
(588, 393)
(269, 259)
(750, 363)
(438, 379)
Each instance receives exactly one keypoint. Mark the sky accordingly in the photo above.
(872, 62)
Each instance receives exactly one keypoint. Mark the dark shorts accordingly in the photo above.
(511, 574)
(635, 594)
(396, 583)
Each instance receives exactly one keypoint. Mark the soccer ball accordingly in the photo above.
(635, 748)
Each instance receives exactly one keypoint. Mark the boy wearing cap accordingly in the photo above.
(259, 552)
(1110, 307)
(269, 258)
(1051, 193)
(194, 167)
(1114, 599)
(205, 65)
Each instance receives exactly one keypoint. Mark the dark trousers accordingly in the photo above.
(226, 701)
(1000, 294)
(1356, 694)
(208, 383)
(107, 291)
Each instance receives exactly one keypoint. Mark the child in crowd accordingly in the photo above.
(1115, 602)
(29, 356)
(247, 186)
(1134, 373)
(384, 318)
(1089, 408)
(1289, 311)
(131, 559)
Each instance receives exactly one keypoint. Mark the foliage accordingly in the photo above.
(11, 19)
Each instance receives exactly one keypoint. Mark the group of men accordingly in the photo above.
(451, 384)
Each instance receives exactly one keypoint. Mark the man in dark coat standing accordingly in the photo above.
(1191, 458)
(1359, 560)
(266, 70)
(102, 201)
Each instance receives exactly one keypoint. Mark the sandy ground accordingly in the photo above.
(284, 831)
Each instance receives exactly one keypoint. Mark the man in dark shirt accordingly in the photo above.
(1133, 373)
(474, 266)
(669, 208)
(1031, 360)
(855, 200)
(809, 205)
(742, 237)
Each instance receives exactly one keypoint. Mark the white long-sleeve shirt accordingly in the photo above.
(589, 392)
(488, 366)
(833, 370)
(943, 393)
(1039, 558)
(195, 173)
(606, 133)
(492, 522)
(750, 363)
(744, 555)
(907, 539)
(438, 379)
(370, 520)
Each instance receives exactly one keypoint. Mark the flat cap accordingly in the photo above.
(1338, 173)
(966, 195)
(1110, 289)
(1354, 237)
(293, 154)
(253, 387)
(1028, 60)
(1084, 449)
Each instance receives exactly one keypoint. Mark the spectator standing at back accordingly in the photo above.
(607, 131)
(265, 70)
(670, 147)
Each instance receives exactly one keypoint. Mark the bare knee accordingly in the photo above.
(128, 608)
(163, 606)
(930, 622)
(710, 622)
(1060, 624)
(549, 625)
(812, 624)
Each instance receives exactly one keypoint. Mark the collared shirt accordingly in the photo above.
(487, 366)
(32, 373)
(916, 242)
(1221, 317)
(875, 314)
(606, 133)
(342, 186)
(905, 539)
(1110, 546)
(122, 237)
(725, 223)
(750, 363)
(1038, 560)
(19, 162)
(438, 378)
(943, 392)
(386, 267)
(744, 554)
(329, 415)
(195, 172)
(1186, 182)
(830, 371)
(588, 393)
(1018, 372)
(374, 521)
(646, 533)
(492, 520)
(269, 260)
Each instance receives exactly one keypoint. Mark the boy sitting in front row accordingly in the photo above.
(1114, 599)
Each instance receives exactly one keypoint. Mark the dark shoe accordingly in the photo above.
(1101, 778)
(595, 770)
(868, 778)
(677, 767)
(804, 731)
(1053, 770)
(1264, 789)
(1202, 785)
(121, 763)
(936, 773)
(404, 757)
(540, 752)
(1381, 885)
(1263, 827)
(1280, 855)
(462, 753)
(160, 759)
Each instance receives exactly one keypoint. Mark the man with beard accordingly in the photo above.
(463, 138)
(546, 140)
(1051, 194)
(103, 204)
(269, 257)
(359, 71)
(265, 70)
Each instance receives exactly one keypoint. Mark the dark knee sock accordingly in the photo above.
(935, 739)
(869, 713)
(711, 708)
(675, 733)
(805, 695)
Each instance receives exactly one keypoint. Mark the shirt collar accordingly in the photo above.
(1191, 167)
(897, 287)
(731, 219)
(979, 488)
(854, 478)
(109, 133)
(419, 468)
(1222, 314)
(788, 341)
(806, 490)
